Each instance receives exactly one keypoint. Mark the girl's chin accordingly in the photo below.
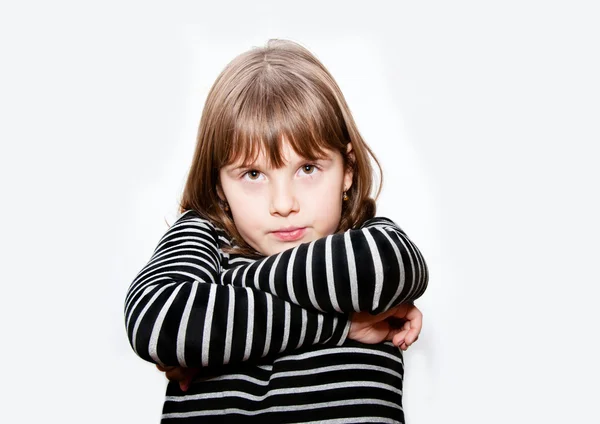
(276, 247)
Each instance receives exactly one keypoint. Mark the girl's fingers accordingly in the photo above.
(183, 376)
(411, 336)
(415, 318)
(190, 373)
(165, 368)
(392, 334)
(406, 338)
(184, 385)
(177, 374)
(399, 338)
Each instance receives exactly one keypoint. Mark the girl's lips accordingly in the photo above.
(293, 235)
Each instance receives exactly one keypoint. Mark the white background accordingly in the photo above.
(485, 116)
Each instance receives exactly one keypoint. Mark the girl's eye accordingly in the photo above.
(252, 174)
(309, 169)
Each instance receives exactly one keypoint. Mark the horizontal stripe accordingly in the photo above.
(290, 408)
(334, 351)
(352, 420)
(285, 391)
(299, 373)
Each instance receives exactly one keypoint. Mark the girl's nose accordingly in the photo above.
(283, 200)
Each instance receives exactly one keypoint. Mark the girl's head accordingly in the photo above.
(278, 148)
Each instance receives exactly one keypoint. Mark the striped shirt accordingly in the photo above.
(270, 334)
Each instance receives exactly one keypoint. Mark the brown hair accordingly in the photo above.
(262, 96)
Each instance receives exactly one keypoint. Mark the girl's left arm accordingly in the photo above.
(369, 269)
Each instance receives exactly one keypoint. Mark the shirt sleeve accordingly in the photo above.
(177, 312)
(372, 268)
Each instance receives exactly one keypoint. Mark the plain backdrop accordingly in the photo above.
(484, 115)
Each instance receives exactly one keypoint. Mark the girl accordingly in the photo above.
(276, 288)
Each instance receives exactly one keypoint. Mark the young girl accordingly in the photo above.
(276, 288)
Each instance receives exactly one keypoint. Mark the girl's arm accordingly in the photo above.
(177, 312)
(370, 269)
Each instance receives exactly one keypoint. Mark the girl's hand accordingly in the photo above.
(373, 329)
(183, 375)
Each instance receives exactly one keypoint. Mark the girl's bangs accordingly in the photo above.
(262, 123)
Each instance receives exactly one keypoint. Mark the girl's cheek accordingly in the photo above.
(310, 182)
(306, 190)
(252, 188)
(320, 185)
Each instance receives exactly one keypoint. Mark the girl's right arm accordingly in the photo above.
(369, 269)
(177, 312)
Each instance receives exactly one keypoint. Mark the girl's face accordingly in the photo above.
(277, 209)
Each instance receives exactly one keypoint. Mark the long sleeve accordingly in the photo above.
(177, 312)
(372, 269)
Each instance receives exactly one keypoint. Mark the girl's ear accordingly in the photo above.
(349, 172)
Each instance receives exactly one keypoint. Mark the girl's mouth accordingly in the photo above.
(290, 235)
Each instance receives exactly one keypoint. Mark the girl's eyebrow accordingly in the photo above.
(301, 160)
(236, 167)
(232, 169)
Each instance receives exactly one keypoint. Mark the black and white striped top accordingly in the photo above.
(270, 334)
